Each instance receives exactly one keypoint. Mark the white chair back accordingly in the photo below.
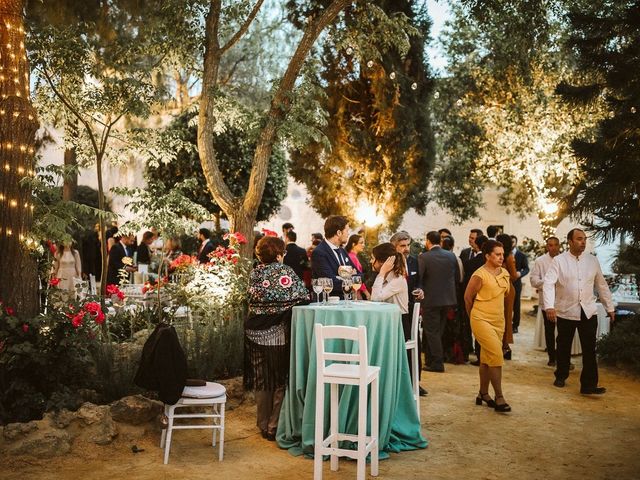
(334, 332)
(92, 284)
(415, 321)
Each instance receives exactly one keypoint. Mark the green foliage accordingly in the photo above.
(376, 98)
(606, 38)
(627, 260)
(621, 346)
(234, 147)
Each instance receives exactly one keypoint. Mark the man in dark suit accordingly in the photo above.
(472, 250)
(206, 245)
(295, 256)
(522, 266)
(440, 274)
(402, 242)
(329, 254)
(117, 252)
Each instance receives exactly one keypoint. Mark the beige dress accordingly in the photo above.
(68, 267)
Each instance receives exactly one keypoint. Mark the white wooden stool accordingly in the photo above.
(412, 344)
(211, 395)
(335, 374)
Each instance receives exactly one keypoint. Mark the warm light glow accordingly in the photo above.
(368, 215)
(550, 208)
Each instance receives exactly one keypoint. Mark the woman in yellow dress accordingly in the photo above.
(485, 302)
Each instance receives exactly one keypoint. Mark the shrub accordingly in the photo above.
(621, 346)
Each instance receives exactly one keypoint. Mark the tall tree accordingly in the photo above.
(18, 125)
(242, 209)
(234, 148)
(97, 63)
(606, 37)
(500, 121)
(378, 151)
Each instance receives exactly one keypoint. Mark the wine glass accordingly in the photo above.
(357, 284)
(347, 284)
(327, 286)
(345, 271)
(316, 283)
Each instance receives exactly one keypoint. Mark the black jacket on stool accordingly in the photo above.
(163, 364)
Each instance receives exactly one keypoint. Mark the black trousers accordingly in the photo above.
(406, 327)
(550, 337)
(587, 329)
(516, 305)
(434, 321)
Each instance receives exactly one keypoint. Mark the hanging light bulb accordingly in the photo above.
(392, 75)
(436, 95)
(349, 50)
(414, 86)
(370, 63)
(633, 109)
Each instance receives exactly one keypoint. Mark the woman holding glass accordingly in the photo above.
(390, 285)
(274, 290)
(484, 300)
(355, 245)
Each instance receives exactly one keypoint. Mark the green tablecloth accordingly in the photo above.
(399, 424)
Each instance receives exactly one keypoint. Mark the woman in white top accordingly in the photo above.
(391, 284)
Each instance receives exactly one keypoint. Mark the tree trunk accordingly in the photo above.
(70, 181)
(18, 125)
(242, 211)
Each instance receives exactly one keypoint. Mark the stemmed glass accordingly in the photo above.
(347, 284)
(357, 284)
(316, 283)
(327, 285)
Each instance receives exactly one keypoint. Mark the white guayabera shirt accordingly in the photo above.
(539, 270)
(569, 286)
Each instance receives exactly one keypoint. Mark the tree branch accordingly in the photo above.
(243, 29)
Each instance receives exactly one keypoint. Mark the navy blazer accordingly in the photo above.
(203, 256)
(522, 265)
(325, 264)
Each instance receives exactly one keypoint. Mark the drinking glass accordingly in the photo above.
(327, 285)
(357, 284)
(316, 283)
(345, 271)
(347, 284)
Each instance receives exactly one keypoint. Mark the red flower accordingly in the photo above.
(112, 289)
(285, 281)
(10, 311)
(54, 282)
(93, 308)
(25, 327)
(52, 247)
(240, 238)
(76, 321)
(269, 233)
(100, 318)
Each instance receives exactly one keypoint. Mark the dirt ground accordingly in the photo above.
(551, 434)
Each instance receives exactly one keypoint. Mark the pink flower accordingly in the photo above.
(285, 281)
(25, 327)
(266, 284)
(10, 311)
(54, 282)
(269, 233)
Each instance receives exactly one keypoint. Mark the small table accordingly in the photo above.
(399, 423)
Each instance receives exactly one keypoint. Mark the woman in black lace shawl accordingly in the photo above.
(273, 291)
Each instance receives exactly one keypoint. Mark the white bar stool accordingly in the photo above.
(211, 395)
(412, 344)
(360, 375)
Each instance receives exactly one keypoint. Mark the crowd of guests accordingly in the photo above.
(475, 295)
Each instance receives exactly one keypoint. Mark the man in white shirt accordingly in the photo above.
(540, 268)
(570, 301)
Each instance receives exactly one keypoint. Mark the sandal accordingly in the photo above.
(482, 397)
(502, 407)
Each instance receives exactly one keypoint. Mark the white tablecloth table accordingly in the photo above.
(576, 348)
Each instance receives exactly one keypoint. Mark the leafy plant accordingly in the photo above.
(621, 346)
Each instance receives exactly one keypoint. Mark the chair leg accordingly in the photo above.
(167, 446)
(221, 421)
(375, 426)
(416, 378)
(362, 430)
(334, 406)
(163, 435)
(317, 456)
(214, 410)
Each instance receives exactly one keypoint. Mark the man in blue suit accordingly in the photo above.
(329, 254)
(522, 266)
